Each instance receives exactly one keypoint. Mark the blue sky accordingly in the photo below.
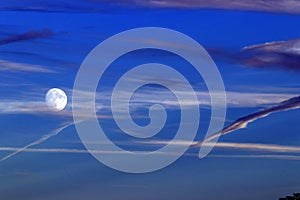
(256, 49)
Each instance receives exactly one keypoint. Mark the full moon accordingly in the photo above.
(56, 99)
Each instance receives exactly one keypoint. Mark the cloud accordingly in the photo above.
(283, 54)
(275, 6)
(67, 6)
(257, 147)
(27, 106)
(240, 146)
(17, 107)
(292, 103)
(40, 57)
(34, 102)
(276, 54)
(242, 122)
(230, 145)
(144, 97)
(29, 35)
(47, 150)
(9, 66)
(264, 156)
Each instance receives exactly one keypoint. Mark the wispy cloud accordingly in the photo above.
(34, 102)
(238, 146)
(145, 97)
(257, 147)
(263, 156)
(284, 54)
(29, 35)
(242, 122)
(278, 6)
(17, 107)
(52, 150)
(38, 107)
(292, 103)
(9, 66)
(275, 6)
(41, 57)
(230, 145)
(274, 54)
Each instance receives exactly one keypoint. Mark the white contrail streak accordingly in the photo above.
(232, 145)
(42, 139)
(262, 156)
(228, 145)
(256, 147)
(47, 150)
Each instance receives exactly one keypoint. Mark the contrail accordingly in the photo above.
(242, 122)
(42, 139)
(264, 156)
(52, 150)
(231, 145)
(249, 146)
(257, 147)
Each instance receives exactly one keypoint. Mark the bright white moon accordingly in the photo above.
(56, 99)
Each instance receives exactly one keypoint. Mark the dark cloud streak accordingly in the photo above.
(242, 122)
(29, 35)
(277, 54)
(283, 54)
(274, 6)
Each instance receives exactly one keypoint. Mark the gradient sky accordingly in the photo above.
(42, 46)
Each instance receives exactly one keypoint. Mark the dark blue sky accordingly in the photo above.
(42, 46)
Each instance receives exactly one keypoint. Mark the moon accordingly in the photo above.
(56, 99)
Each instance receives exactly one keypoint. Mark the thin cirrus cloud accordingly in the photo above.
(269, 148)
(263, 156)
(292, 103)
(240, 123)
(25, 103)
(257, 147)
(276, 6)
(34, 107)
(9, 66)
(231, 145)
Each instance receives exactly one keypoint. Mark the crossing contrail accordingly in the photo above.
(42, 139)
